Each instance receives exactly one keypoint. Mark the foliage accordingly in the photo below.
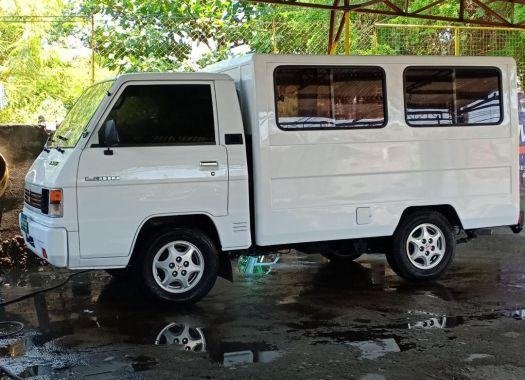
(162, 34)
(37, 80)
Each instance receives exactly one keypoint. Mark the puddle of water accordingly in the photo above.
(443, 322)
(473, 357)
(37, 370)
(142, 362)
(49, 359)
(12, 348)
(518, 314)
(374, 349)
(27, 358)
(190, 338)
(231, 359)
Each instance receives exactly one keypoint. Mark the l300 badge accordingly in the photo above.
(103, 178)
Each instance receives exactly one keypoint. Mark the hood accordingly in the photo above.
(48, 168)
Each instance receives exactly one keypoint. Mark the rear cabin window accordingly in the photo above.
(448, 96)
(163, 115)
(310, 97)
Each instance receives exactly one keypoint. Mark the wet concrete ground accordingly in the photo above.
(301, 317)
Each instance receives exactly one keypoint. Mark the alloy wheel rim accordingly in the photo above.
(178, 266)
(426, 246)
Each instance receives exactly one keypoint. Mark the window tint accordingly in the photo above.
(163, 114)
(329, 97)
(452, 96)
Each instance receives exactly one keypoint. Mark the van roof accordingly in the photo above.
(305, 59)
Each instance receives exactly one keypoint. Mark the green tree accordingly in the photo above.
(161, 34)
(36, 79)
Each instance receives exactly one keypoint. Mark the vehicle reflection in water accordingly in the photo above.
(518, 314)
(229, 354)
(437, 323)
(190, 338)
(85, 314)
(257, 265)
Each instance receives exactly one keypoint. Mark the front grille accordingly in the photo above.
(36, 200)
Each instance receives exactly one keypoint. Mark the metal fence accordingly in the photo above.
(45, 62)
(451, 40)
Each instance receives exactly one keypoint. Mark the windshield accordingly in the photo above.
(70, 130)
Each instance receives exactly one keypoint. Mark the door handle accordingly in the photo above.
(209, 163)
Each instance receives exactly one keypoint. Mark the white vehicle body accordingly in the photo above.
(339, 184)
(308, 185)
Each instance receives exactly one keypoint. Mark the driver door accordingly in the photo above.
(165, 159)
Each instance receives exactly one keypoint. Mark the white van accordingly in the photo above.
(169, 173)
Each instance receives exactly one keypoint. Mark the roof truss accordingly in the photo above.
(500, 13)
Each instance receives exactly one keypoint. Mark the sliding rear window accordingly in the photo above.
(321, 97)
(452, 96)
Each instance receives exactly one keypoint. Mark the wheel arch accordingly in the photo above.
(203, 222)
(448, 211)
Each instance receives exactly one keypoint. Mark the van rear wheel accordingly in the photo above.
(423, 246)
(180, 265)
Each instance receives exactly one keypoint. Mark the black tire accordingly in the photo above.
(211, 265)
(398, 257)
(341, 257)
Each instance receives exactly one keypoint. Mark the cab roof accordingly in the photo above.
(149, 76)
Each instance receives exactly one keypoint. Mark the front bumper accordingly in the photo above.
(48, 243)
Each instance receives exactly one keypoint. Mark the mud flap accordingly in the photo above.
(225, 267)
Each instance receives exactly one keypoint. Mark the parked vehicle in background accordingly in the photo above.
(168, 174)
(4, 176)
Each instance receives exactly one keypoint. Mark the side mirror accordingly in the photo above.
(111, 137)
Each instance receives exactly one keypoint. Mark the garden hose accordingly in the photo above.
(32, 294)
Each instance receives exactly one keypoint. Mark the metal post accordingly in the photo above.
(92, 49)
(347, 33)
(457, 46)
(274, 38)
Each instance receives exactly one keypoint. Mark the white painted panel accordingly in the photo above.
(160, 180)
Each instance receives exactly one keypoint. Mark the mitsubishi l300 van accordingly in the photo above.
(165, 175)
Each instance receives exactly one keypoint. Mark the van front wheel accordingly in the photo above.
(180, 266)
(423, 246)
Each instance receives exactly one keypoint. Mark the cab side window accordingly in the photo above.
(146, 115)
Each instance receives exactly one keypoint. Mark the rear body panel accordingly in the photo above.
(310, 185)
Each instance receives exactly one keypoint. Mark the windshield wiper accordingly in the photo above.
(46, 146)
(58, 146)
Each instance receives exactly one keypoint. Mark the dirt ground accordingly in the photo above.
(299, 318)
(13, 199)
